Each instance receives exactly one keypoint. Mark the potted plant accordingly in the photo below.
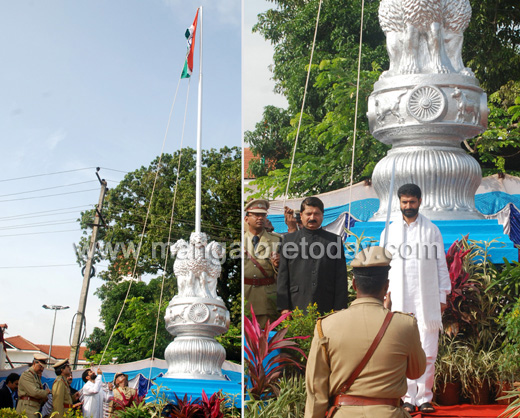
(447, 385)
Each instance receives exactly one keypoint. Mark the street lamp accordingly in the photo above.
(55, 308)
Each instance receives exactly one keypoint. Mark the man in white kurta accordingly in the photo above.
(93, 394)
(419, 284)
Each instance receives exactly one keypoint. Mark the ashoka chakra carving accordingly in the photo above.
(426, 103)
(198, 312)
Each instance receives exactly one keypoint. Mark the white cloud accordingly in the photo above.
(55, 138)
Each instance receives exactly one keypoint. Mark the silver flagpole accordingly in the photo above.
(389, 209)
(198, 186)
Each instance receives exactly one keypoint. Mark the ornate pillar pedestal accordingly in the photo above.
(425, 117)
(194, 353)
(196, 315)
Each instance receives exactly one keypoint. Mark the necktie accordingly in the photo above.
(256, 239)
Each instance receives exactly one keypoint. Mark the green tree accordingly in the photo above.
(324, 155)
(491, 49)
(498, 148)
(125, 213)
(270, 141)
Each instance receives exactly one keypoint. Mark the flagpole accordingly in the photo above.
(198, 186)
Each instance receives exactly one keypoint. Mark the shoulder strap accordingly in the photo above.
(321, 335)
(368, 355)
(256, 263)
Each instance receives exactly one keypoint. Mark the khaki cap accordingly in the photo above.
(40, 358)
(372, 257)
(257, 206)
(61, 363)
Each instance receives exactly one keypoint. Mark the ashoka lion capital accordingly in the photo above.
(425, 105)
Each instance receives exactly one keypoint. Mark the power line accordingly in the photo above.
(47, 188)
(60, 172)
(39, 233)
(47, 195)
(15, 218)
(44, 211)
(113, 169)
(46, 174)
(32, 267)
(38, 224)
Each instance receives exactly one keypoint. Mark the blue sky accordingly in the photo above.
(90, 84)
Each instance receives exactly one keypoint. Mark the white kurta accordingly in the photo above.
(93, 396)
(419, 284)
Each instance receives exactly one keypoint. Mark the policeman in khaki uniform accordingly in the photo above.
(342, 340)
(261, 261)
(31, 393)
(61, 397)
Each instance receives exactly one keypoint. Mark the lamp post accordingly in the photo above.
(55, 308)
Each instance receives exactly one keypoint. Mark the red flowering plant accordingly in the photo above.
(463, 302)
(212, 407)
(133, 401)
(264, 355)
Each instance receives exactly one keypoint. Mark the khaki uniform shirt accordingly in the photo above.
(61, 398)
(348, 335)
(124, 396)
(30, 384)
(263, 298)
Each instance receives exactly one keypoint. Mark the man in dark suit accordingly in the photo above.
(312, 265)
(9, 392)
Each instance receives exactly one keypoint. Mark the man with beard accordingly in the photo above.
(93, 394)
(419, 284)
(312, 265)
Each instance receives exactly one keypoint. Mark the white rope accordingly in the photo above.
(355, 115)
(169, 235)
(303, 103)
(144, 225)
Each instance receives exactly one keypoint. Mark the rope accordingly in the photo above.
(145, 224)
(303, 103)
(169, 237)
(355, 115)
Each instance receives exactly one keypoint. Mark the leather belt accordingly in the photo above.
(350, 400)
(29, 398)
(254, 281)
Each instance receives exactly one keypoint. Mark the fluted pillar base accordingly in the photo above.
(447, 176)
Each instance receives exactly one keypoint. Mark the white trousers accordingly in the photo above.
(420, 390)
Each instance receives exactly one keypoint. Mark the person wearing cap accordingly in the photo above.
(341, 377)
(123, 395)
(420, 283)
(261, 262)
(313, 268)
(61, 397)
(31, 394)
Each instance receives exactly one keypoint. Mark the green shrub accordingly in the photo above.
(290, 403)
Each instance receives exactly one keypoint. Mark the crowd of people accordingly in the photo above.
(372, 358)
(376, 358)
(27, 394)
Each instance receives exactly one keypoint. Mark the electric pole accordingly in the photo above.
(80, 315)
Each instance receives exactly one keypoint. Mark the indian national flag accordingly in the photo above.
(190, 36)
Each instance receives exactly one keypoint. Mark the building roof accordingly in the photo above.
(58, 351)
(61, 351)
(20, 343)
